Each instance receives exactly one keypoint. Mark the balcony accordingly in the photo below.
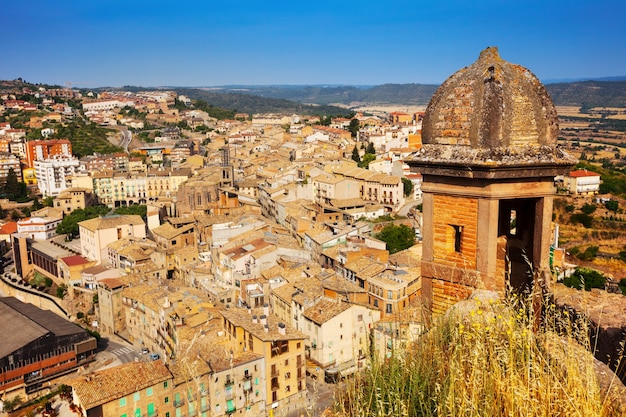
(205, 408)
(228, 383)
(179, 403)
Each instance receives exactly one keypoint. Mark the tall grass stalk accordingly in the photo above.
(484, 359)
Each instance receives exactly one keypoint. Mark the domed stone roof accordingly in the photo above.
(491, 115)
(491, 103)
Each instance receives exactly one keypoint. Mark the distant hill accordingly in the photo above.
(259, 103)
(418, 94)
(580, 93)
(337, 99)
(589, 93)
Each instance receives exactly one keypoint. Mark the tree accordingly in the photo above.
(12, 404)
(370, 148)
(138, 209)
(367, 158)
(355, 155)
(588, 208)
(11, 186)
(69, 224)
(612, 205)
(582, 218)
(48, 201)
(354, 127)
(397, 238)
(585, 278)
(408, 186)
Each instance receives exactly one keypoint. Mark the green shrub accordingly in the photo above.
(585, 278)
(588, 208)
(582, 218)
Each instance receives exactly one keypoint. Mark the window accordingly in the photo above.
(389, 294)
(388, 309)
(136, 396)
(458, 231)
(230, 406)
(165, 384)
(123, 402)
(149, 391)
(167, 400)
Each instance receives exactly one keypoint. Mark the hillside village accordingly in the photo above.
(257, 264)
(254, 267)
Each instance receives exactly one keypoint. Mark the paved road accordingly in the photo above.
(320, 396)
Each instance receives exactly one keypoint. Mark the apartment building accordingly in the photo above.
(7, 162)
(122, 188)
(37, 150)
(282, 346)
(52, 174)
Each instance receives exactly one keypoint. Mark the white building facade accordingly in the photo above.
(52, 174)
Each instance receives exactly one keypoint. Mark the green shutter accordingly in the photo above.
(230, 406)
(150, 409)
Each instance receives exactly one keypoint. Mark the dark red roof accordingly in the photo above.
(74, 260)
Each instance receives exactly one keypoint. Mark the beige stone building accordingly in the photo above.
(131, 389)
(97, 233)
(282, 347)
(71, 199)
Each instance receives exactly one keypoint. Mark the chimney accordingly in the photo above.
(281, 328)
(266, 309)
(166, 303)
(267, 329)
(249, 310)
(264, 319)
(254, 320)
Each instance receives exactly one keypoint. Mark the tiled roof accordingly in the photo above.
(583, 173)
(74, 260)
(167, 231)
(241, 318)
(8, 228)
(114, 383)
(110, 222)
(325, 310)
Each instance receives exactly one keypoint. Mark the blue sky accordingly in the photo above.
(95, 43)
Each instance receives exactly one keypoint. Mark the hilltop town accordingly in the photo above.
(238, 256)
(235, 261)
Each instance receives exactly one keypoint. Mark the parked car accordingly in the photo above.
(144, 351)
(154, 356)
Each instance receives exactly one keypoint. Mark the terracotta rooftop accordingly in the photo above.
(109, 222)
(75, 260)
(108, 385)
(242, 318)
(325, 310)
(583, 173)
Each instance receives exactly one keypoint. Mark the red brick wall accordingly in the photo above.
(445, 294)
(458, 211)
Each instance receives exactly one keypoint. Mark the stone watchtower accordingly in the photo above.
(488, 162)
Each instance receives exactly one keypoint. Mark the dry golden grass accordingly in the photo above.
(488, 361)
